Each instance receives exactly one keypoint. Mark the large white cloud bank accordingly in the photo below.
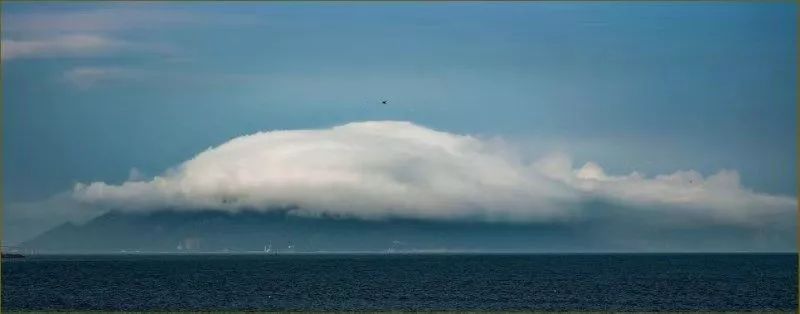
(388, 169)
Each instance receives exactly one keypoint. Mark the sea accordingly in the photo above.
(337, 282)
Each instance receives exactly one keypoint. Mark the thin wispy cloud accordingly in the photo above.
(79, 45)
(94, 32)
(87, 77)
(114, 19)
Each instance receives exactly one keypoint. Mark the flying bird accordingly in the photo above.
(384, 101)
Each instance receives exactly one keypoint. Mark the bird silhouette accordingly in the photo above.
(384, 102)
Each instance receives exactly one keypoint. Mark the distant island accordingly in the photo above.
(216, 231)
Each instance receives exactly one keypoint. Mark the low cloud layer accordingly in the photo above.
(385, 169)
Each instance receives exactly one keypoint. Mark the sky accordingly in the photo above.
(109, 96)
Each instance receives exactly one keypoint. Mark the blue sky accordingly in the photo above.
(93, 90)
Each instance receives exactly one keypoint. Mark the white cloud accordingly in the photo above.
(719, 196)
(398, 169)
(86, 77)
(90, 32)
(135, 175)
(114, 18)
(80, 45)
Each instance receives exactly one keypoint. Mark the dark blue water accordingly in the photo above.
(414, 282)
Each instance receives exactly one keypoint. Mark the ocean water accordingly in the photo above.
(640, 282)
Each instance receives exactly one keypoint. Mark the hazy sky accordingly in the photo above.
(91, 91)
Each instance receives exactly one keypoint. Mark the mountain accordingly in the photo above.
(173, 230)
